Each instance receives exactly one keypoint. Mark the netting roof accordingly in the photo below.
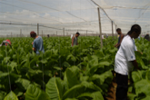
(127, 12)
(73, 15)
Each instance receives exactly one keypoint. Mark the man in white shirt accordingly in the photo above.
(103, 37)
(124, 60)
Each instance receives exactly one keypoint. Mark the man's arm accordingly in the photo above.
(116, 45)
(135, 64)
(72, 40)
(33, 46)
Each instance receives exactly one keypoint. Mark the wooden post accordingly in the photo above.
(115, 30)
(20, 32)
(42, 33)
(100, 29)
(37, 28)
(112, 29)
(66, 32)
(86, 32)
(63, 31)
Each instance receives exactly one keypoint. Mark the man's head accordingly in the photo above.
(147, 34)
(77, 34)
(118, 30)
(33, 34)
(135, 31)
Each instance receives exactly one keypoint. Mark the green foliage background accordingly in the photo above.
(81, 72)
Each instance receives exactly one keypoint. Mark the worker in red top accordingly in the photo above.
(6, 42)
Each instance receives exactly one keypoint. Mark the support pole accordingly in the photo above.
(86, 32)
(42, 33)
(63, 31)
(20, 32)
(100, 29)
(66, 32)
(115, 30)
(112, 30)
(37, 28)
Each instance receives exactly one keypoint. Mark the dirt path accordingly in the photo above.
(112, 89)
(112, 92)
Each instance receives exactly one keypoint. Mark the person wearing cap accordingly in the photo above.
(6, 43)
(75, 39)
(37, 43)
(120, 38)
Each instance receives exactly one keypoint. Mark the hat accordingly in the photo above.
(32, 34)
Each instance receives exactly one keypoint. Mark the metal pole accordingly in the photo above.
(42, 33)
(112, 29)
(11, 34)
(100, 29)
(37, 28)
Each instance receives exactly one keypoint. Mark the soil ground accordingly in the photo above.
(111, 94)
(112, 91)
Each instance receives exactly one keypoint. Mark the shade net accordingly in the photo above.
(72, 15)
(127, 12)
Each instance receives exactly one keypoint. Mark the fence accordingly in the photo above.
(23, 30)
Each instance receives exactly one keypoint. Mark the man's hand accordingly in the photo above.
(33, 49)
(32, 43)
(140, 52)
(135, 64)
(72, 40)
(116, 45)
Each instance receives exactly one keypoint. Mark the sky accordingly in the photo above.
(72, 15)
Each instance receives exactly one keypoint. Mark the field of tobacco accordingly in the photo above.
(82, 72)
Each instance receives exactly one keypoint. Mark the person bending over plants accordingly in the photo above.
(37, 43)
(125, 60)
(120, 38)
(75, 39)
(6, 43)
